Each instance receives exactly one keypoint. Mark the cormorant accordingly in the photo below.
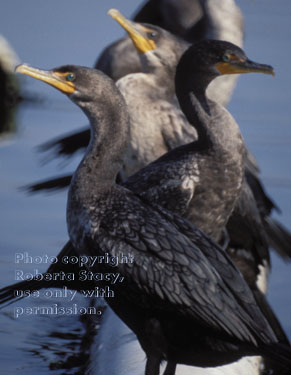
(192, 20)
(207, 21)
(189, 180)
(183, 307)
(188, 188)
(120, 58)
(248, 242)
(149, 97)
(166, 128)
(145, 183)
(245, 226)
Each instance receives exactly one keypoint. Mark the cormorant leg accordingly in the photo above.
(170, 369)
(152, 366)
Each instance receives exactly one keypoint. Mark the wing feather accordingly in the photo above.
(183, 277)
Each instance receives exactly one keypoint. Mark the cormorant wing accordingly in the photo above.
(170, 272)
(246, 229)
(158, 183)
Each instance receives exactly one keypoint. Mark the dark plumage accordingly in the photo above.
(181, 287)
(158, 126)
(201, 202)
(186, 185)
(149, 101)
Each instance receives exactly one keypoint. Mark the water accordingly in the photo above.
(48, 34)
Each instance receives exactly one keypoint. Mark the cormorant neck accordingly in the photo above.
(161, 75)
(103, 159)
(191, 94)
(162, 62)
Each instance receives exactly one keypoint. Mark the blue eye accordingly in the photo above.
(226, 58)
(152, 34)
(70, 77)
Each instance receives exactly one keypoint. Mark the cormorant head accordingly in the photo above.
(157, 47)
(82, 85)
(95, 93)
(215, 57)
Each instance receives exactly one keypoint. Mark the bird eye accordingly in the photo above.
(70, 77)
(226, 58)
(152, 34)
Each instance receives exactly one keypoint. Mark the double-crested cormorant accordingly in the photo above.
(183, 307)
(190, 188)
(155, 183)
(201, 185)
(169, 136)
(248, 242)
(149, 97)
(121, 58)
(163, 132)
(192, 20)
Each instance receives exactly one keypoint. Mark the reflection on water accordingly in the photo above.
(44, 343)
(61, 350)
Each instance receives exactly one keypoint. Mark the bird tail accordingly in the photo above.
(279, 237)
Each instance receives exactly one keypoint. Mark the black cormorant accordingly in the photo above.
(183, 307)
(190, 188)
(149, 97)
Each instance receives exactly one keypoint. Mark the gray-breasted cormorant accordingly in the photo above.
(192, 20)
(182, 307)
(119, 59)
